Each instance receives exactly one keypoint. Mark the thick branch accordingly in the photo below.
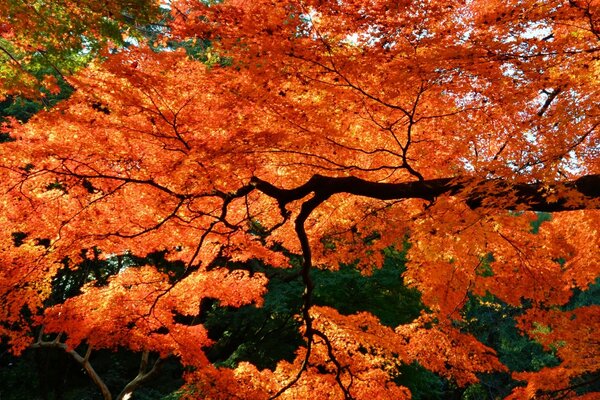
(144, 375)
(307, 208)
(551, 96)
(83, 361)
(583, 193)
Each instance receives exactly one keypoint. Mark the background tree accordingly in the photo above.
(318, 134)
(41, 42)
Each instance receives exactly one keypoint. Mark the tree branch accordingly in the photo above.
(551, 96)
(143, 376)
(579, 194)
(83, 361)
(305, 211)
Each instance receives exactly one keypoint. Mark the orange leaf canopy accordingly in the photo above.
(337, 128)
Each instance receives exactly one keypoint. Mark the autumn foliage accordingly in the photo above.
(331, 130)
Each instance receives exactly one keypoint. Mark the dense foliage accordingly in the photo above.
(284, 199)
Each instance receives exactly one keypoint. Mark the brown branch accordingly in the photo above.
(83, 361)
(348, 83)
(126, 179)
(144, 375)
(305, 211)
(567, 392)
(15, 61)
(579, 194)
(338, 366)
(551, 96)
(572, 195)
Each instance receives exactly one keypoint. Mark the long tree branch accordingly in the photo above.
(305, 211)
(83, 361)
(583, 193)
(579, 194)
(144, 375)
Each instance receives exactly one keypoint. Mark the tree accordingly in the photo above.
(325, 132)
(40, 42)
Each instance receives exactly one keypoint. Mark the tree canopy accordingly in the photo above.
(308, 134)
